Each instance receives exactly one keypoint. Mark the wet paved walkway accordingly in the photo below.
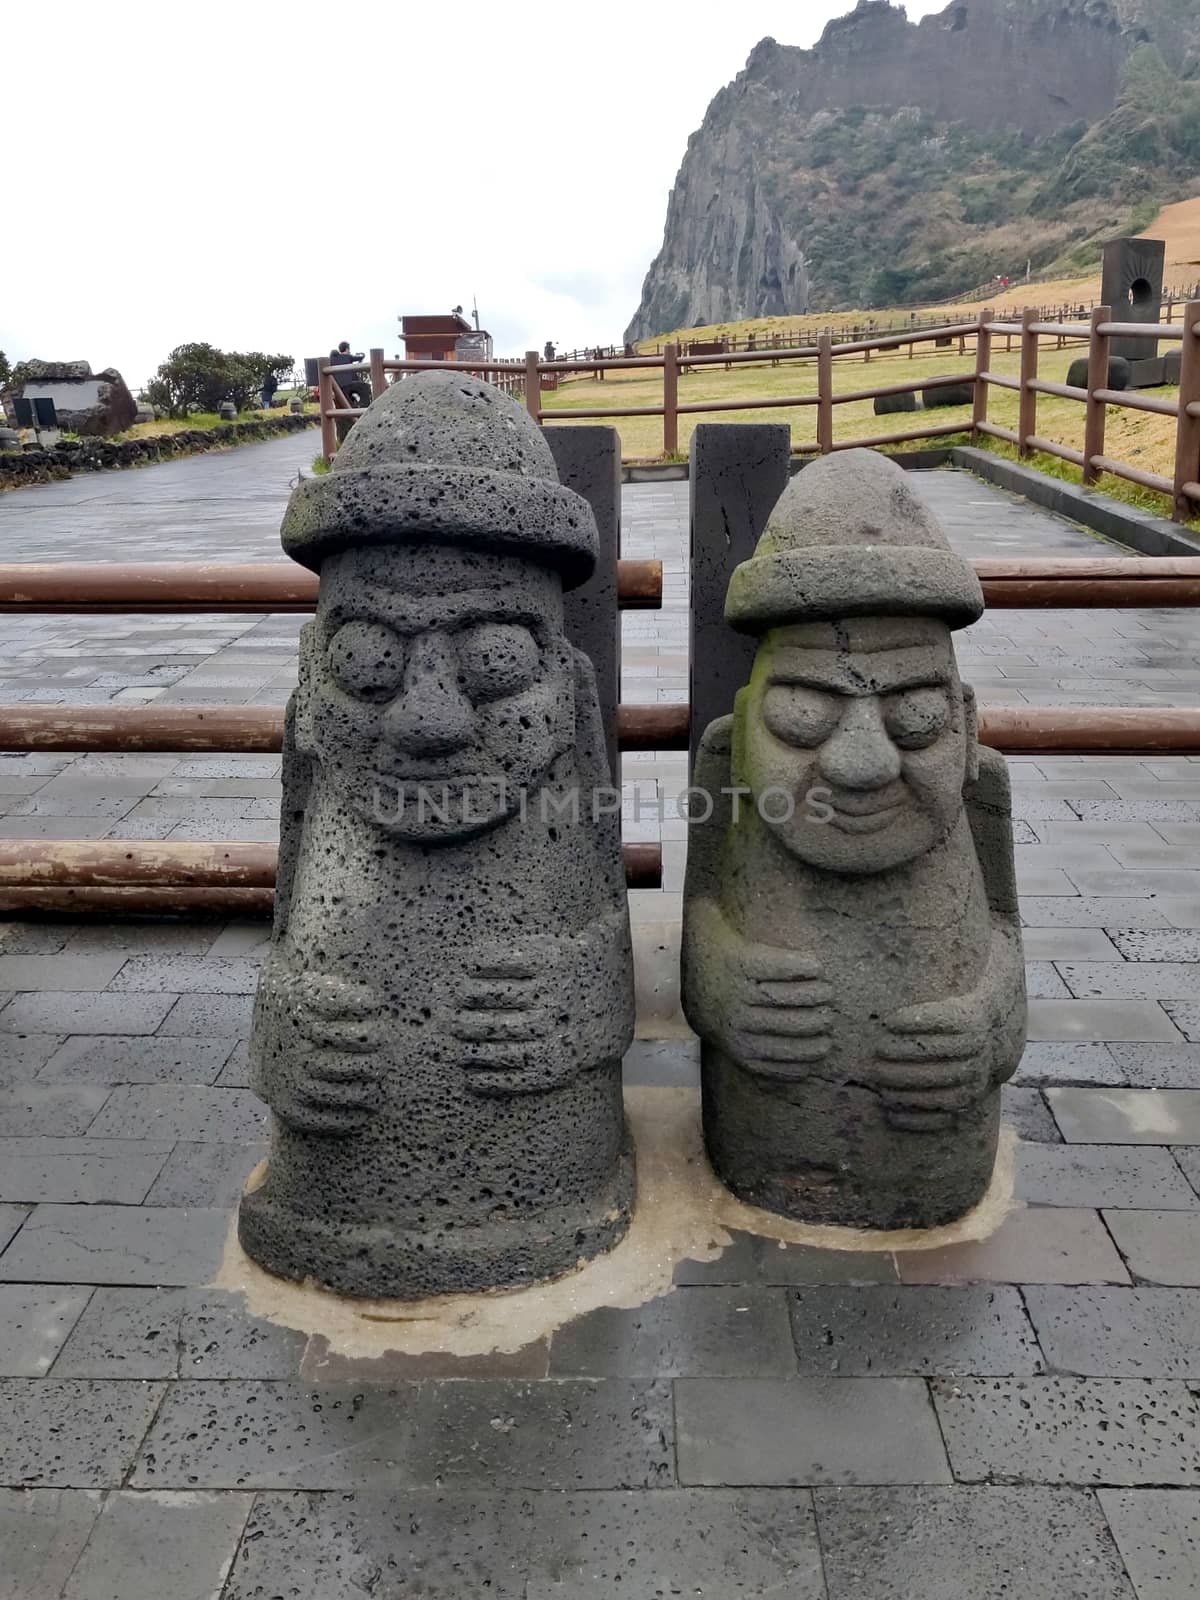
(1018, 1418)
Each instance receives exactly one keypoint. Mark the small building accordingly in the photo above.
(444, 338)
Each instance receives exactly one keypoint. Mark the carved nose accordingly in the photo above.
(859, 754)
(431, 715)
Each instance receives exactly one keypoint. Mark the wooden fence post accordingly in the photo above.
(1027, 421)
(824, 393)
(983, 362)
(670, 400)
(378, 375)
(328, 424)
(1187, 440)
(1097, 411)
(533, 386)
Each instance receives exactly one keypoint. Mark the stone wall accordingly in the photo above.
(97, 455)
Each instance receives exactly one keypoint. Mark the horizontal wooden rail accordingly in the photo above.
(1000, 381)
(138, 863)
(995, 431)
(243, 729)
(1139, 330)
(942, 431)
(1100, 583)
(1051, 447)
(260, 586)
(1093, 730)
(1122, 469)
(952, 382)
(1132, 401)
(1061, 391)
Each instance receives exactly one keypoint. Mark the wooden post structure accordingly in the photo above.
(1097, 410)
(1187, 440)
(1027, 421)
(824, 393)
(670, 400)
(328, 423)
(983, 362)
(533, 386)
(378, 375)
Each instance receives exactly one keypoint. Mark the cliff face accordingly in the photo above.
(783, 177)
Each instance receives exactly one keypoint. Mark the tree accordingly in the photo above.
(5, 371)
(198, 377)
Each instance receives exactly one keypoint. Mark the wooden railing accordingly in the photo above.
(1029, 335)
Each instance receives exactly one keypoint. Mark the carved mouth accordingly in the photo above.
(859, 817)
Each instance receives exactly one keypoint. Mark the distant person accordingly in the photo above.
(270, 384)
(548, 352)
(356, 389)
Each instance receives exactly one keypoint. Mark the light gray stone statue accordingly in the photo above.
(440, 1024)
(851, 948)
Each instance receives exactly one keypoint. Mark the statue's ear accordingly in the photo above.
(971, 718)
(310, 664)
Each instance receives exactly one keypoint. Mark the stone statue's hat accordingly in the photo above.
(849, 537)
(442, 458)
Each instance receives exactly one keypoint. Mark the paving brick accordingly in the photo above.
(184, 975)
(125, 1333)
(22, 1056)
(438, 1546)
(219, 1339)
(140, 1058)
(42, 1535)
(1158, 1246)
(55, 1011)
(1042, 982)
(781, 1431)
(34, 1322)
(1127, 1116)
(145, 1546)
(901, 1332)
(1157, 1066)
(708, 1331)
(205, 1174)
(662, 1062)
(116, 1245)
(1147, 945)
(1025, 1111)
(205, 1016)
(1085, 1175)
(177, 1111)
(77, 972)
(754, 1260)
(72, 1435)
(1059, 1061)
(541, 1435)
(1067, 944)
(1029, 1246)
(235, 1074)
(79, 1171)
(1099, 1019)
(1186, 1017)
(1118, 1333)
(29, 1109)
(1158, 1534)
(1132, 980)
(1091, 911)
(1069, 1430)
(726, 1543)
(965, 1543)
(11, 1218)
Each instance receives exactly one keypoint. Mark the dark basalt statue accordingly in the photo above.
(440, 1024)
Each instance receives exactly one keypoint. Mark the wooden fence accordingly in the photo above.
(1029, 334)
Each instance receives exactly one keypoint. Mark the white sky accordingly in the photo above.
(278, 175)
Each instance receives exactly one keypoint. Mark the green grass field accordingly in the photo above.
(1136, 437)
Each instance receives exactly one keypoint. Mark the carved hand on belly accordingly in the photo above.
(510, 1027)
(324, 1031)
(780, 1011)
(935, 1062)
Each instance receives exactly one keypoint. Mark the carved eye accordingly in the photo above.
(801, 716)
(497, 659)
(367, 660)
(916, 718)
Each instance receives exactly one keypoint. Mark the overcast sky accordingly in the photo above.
(279, 175)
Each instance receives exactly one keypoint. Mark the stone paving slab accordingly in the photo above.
(61, 1434)
(968, 1544)
(1158, 1534)
(912, 1332)
(1117, 1333)
(1069, 1430)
